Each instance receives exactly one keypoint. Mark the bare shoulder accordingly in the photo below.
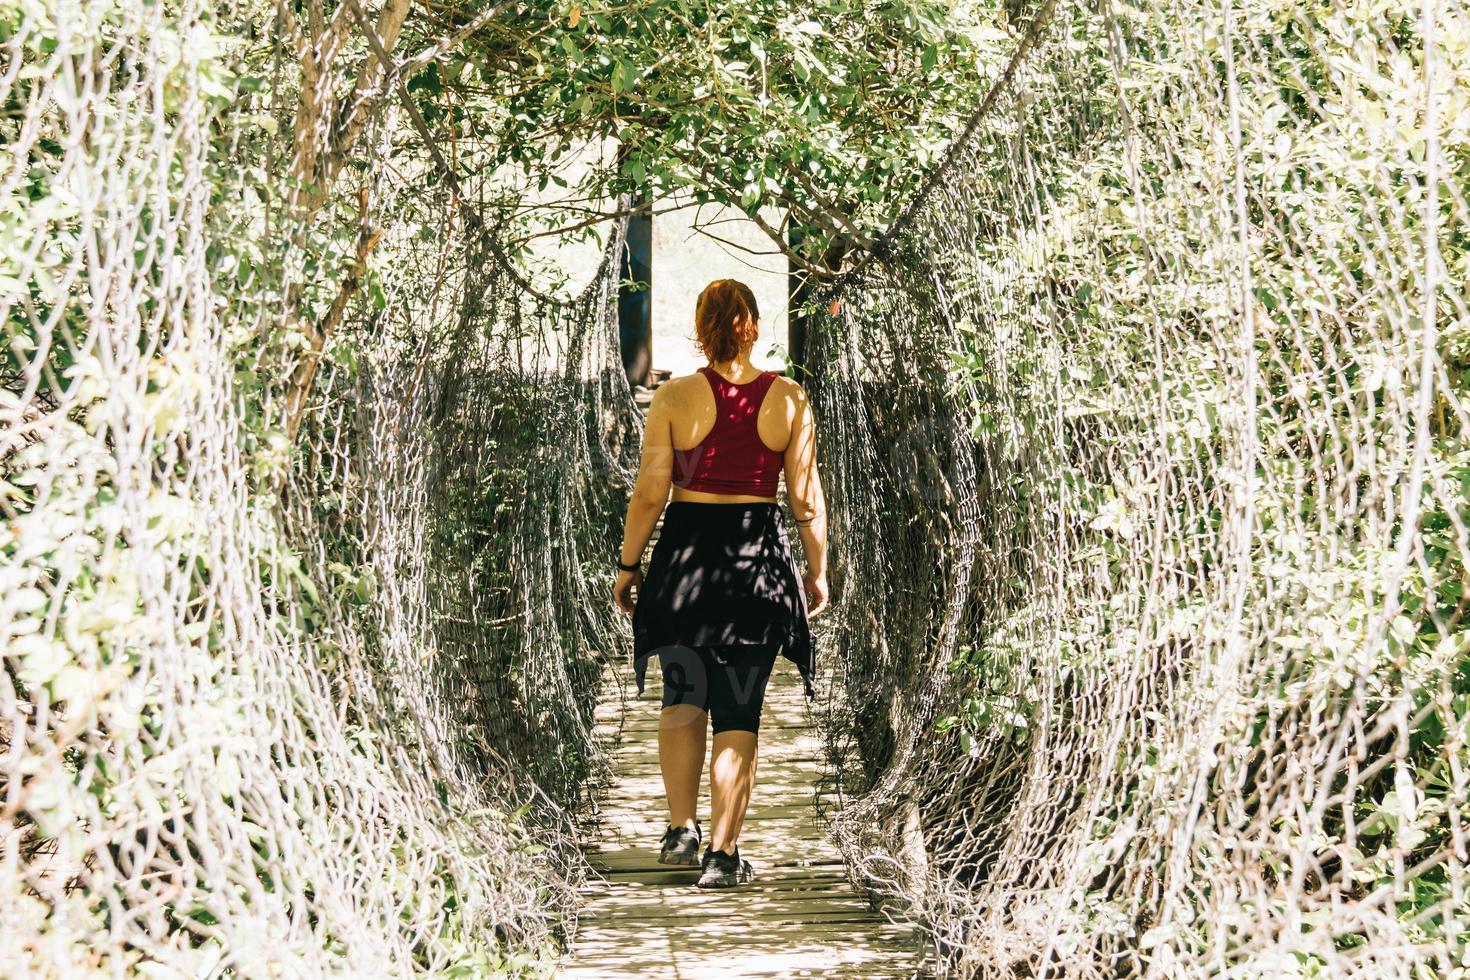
(790, 391)
(789, 387)
(676, 390)
(677, 397)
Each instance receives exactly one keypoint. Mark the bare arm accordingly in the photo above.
(650, 494)
(808, 506)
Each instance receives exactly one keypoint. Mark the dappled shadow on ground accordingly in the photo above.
(799, 917)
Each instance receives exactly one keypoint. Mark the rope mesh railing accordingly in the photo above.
(298, 677)
(1149, 597)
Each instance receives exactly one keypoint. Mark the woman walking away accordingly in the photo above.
(722, 593)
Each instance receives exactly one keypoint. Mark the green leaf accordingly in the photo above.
(622, 78)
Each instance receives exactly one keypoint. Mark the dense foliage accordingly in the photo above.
(834, 111)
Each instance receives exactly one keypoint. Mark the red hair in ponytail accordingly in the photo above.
(726, 320)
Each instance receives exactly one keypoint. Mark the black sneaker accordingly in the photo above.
(723, 870)
(681, 846)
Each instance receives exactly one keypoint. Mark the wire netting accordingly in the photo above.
(1150, 593)
(299, 647)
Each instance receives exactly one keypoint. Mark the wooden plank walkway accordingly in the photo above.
(798, 918)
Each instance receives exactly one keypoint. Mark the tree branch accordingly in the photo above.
(830, 210)
(596, 219)
(774, 234)
(1002, 82)
(471, 212)
(298, 388)
(454, 40)
(383, 38)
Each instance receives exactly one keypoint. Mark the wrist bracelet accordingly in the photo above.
(629, 568)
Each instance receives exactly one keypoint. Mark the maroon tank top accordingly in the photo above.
(731, 458)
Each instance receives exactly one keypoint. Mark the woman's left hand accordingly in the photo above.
(623, 589)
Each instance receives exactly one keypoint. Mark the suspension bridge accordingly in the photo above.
(1141, 417)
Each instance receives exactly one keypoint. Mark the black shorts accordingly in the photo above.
(727, 681)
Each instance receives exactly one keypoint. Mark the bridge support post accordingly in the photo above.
(796, 293)
(635, 304)
(799, 287)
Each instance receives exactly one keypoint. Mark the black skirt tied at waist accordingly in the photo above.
(722, 574)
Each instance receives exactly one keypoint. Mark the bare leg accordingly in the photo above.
(731, 778)
(682, 732)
